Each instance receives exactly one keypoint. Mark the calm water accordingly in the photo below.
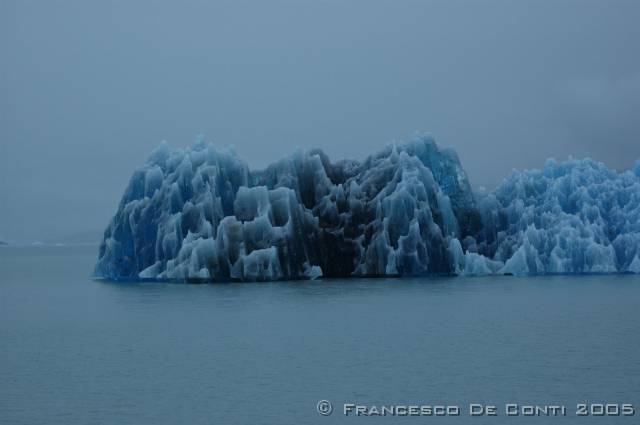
(77, 351)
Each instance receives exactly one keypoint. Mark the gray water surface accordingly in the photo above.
(77, 351)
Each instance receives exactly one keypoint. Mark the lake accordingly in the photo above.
(78, 351)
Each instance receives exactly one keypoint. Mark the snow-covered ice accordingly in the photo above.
(200, 214)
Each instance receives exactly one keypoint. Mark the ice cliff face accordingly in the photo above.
(200, 214)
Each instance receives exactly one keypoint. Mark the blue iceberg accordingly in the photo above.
(200, 214)
(572, 217)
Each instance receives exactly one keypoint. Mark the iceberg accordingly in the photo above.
(577, 216)
(201, 215)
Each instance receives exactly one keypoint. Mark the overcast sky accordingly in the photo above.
(88, 89)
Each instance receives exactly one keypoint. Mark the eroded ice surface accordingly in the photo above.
(572, 217)
(201, 214)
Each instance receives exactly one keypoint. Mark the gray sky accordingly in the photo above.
(88, 89)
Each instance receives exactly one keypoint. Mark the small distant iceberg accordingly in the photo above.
(39, 243)
(200, 214)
